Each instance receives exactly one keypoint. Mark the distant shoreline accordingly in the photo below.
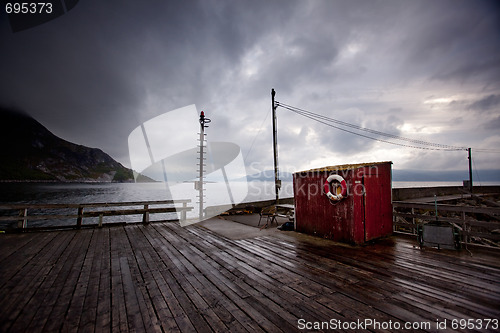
(398, 183)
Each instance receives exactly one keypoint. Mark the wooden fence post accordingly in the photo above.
(24, 222)
(145, 216)
(79, 218)
(394, 219)
(413, 228)
(464, 230)
(183, 212)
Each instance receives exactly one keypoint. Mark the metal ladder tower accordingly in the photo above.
(201, 158)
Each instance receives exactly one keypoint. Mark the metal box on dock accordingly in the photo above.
(364, 214)
(442, 235)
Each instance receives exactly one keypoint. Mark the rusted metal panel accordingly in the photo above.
(365, 214)
(378, 207)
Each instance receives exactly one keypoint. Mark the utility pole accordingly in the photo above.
(277, 181)
(470, 170)
(202, 159)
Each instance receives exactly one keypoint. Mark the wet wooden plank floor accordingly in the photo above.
(165, 278)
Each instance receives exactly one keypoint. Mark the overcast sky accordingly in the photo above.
(427, 70)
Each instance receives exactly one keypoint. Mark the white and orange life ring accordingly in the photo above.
(327, 186)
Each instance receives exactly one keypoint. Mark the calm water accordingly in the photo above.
(106, 192)
(80, 193)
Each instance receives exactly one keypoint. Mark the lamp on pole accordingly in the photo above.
(277, 181)
(470, 170)
(203, 121)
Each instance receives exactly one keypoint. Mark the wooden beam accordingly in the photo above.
(453, 208)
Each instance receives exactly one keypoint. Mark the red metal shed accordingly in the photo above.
(365, 213)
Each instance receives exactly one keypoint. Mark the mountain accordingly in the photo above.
(30, 152)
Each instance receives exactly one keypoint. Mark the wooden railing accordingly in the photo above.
(479, 225)
(36, 212)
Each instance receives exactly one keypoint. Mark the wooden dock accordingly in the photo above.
(161, 277)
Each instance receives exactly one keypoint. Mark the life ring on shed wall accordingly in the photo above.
(343, 185)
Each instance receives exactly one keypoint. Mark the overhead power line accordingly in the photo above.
(486, 150)
(411, 143)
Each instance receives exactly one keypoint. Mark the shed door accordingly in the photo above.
(375, 207)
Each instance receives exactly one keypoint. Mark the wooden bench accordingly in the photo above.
(271, 212)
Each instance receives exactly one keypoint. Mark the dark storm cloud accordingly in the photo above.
(454, 40)
(494, 124)
(487, 103)
(104, 61)
(73, 74)
(437, 160)
(99, 71)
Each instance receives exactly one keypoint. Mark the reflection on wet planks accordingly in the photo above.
(161, 277)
